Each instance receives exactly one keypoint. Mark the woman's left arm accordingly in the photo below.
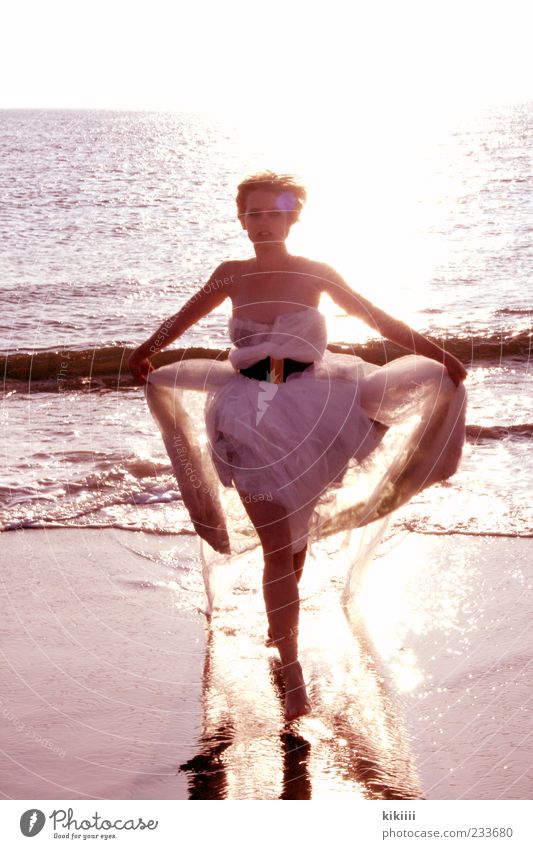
(396, 331)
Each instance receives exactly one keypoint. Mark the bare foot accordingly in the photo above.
(296, 701)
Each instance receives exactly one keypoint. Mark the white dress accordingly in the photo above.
(338, 445)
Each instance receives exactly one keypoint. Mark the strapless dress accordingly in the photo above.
(339, 445)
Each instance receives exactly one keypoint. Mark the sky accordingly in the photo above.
(278, 56)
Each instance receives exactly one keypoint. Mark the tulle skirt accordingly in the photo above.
(338, 446)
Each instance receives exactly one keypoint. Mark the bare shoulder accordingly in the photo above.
(224, 274)
(221, 283)
(332, 283)
(326, 277)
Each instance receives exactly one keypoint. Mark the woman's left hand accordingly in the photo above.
(455, 369)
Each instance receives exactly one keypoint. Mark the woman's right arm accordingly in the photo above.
(201, 303)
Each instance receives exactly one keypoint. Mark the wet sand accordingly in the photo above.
(101, 679)
(114, 684)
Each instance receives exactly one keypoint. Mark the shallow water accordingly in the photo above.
(421, 693)
(96, 458)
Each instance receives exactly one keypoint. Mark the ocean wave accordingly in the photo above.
(94, 367)
(141, 495)
(407, 527)
(421, 528)
(45, 524)
(475, 433)
(107, 367)
(84, 507)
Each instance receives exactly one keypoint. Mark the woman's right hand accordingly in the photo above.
(140, 367)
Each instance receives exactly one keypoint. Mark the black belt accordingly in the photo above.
(273, 370)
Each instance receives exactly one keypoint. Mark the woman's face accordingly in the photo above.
(264, 220)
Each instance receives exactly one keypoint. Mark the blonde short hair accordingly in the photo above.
(291, 192)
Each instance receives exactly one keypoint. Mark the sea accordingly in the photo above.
(111, 220)
(115, 685)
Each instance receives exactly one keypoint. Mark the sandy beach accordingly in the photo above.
(114, 685)
(101, 681)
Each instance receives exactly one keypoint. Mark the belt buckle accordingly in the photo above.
(275, 374)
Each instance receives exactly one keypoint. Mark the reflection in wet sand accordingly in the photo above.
(353, 744)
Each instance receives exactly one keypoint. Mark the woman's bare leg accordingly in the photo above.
(298, 561)
(282, 601)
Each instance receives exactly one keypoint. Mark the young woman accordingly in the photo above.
(285, 417)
